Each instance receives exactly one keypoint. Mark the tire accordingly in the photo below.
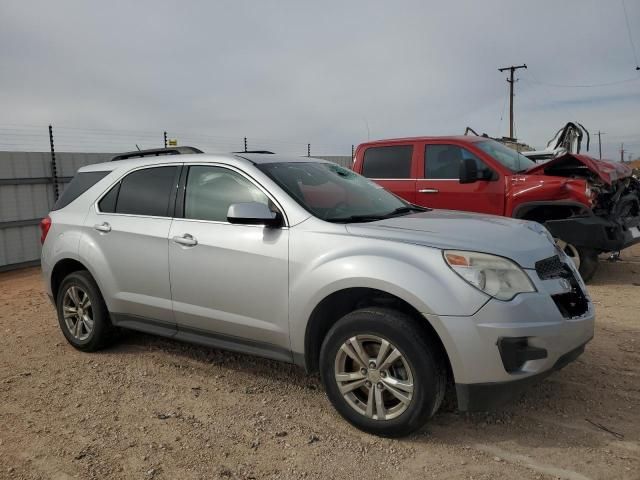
(82, 334)
(420, 364)
(585, 258)
(588, 263)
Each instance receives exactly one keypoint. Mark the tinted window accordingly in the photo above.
(82, 182)
(108, 203)
(387, 162)
(211, 190)
(147, 191)
(443, 161)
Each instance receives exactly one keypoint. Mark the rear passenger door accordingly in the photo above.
(393, 167)
(127, 239)
(439, 183)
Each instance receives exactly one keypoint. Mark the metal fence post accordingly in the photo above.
(54, 169)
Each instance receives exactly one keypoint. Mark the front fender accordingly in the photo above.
(416, 274)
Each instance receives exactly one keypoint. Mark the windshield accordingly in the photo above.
(334, 193)
(514, 161)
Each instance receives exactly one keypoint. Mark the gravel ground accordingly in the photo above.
(155, 408)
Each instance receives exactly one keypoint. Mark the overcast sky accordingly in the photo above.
(324, 72)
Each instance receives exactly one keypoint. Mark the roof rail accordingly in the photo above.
(156, 152)
(254, 151)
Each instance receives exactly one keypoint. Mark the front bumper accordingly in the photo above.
(480, 397)
(548, 339)
(596, 232)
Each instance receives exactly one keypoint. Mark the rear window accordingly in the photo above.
(82, 182)
(143, 192)
(387, 162)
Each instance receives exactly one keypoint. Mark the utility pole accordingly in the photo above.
(600, 142)
(511, 81)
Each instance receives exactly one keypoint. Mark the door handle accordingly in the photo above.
(103, 227)
(187, 240)
(428, 190)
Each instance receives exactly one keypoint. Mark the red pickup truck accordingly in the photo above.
(589, 206)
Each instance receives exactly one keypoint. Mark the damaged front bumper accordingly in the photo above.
(598, 233)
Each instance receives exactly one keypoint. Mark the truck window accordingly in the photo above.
(443, 161)
(387, 162)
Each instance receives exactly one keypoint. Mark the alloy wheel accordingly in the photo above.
(77, 312)
(374, 377)
(570, 250)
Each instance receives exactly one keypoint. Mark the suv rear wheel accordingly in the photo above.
(382, 372)
(82, 313)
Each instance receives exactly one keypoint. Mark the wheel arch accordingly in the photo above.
(61, 269)
(341, 302)
(552, 210)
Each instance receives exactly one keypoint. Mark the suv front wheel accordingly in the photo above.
(82, 313)
(382, 372)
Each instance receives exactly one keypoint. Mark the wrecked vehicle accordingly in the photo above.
(589, 206)
(566, 140)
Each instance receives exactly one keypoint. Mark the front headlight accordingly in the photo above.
(496, 276)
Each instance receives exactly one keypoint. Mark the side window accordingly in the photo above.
(144, 192)
(387, 162)
(443, 161)
(108, 203)
(82, 182)
(211, 190)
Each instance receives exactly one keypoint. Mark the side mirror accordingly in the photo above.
(468, 171)
(253, 213)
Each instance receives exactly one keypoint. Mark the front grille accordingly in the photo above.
(550, 268)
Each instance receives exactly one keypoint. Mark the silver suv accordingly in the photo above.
(301, 260)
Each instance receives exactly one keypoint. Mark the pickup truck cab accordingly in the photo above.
(589, 206)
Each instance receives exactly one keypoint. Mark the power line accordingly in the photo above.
(633, 47)
(606, 84)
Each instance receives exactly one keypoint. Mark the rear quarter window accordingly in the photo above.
(82, 182)
(387, 162)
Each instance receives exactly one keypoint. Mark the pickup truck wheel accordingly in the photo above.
(585, 259)
(382, 372)
(82, 313)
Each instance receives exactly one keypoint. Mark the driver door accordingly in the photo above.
(229, 282)
(440, 187)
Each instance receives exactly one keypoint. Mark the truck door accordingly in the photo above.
(438, 185)
(392, 167)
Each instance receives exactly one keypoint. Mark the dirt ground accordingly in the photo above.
(154, 408)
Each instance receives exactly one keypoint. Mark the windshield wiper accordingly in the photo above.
(356, 218)
(373, 218)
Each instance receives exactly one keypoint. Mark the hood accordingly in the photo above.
(520, 240)
(571, 164)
